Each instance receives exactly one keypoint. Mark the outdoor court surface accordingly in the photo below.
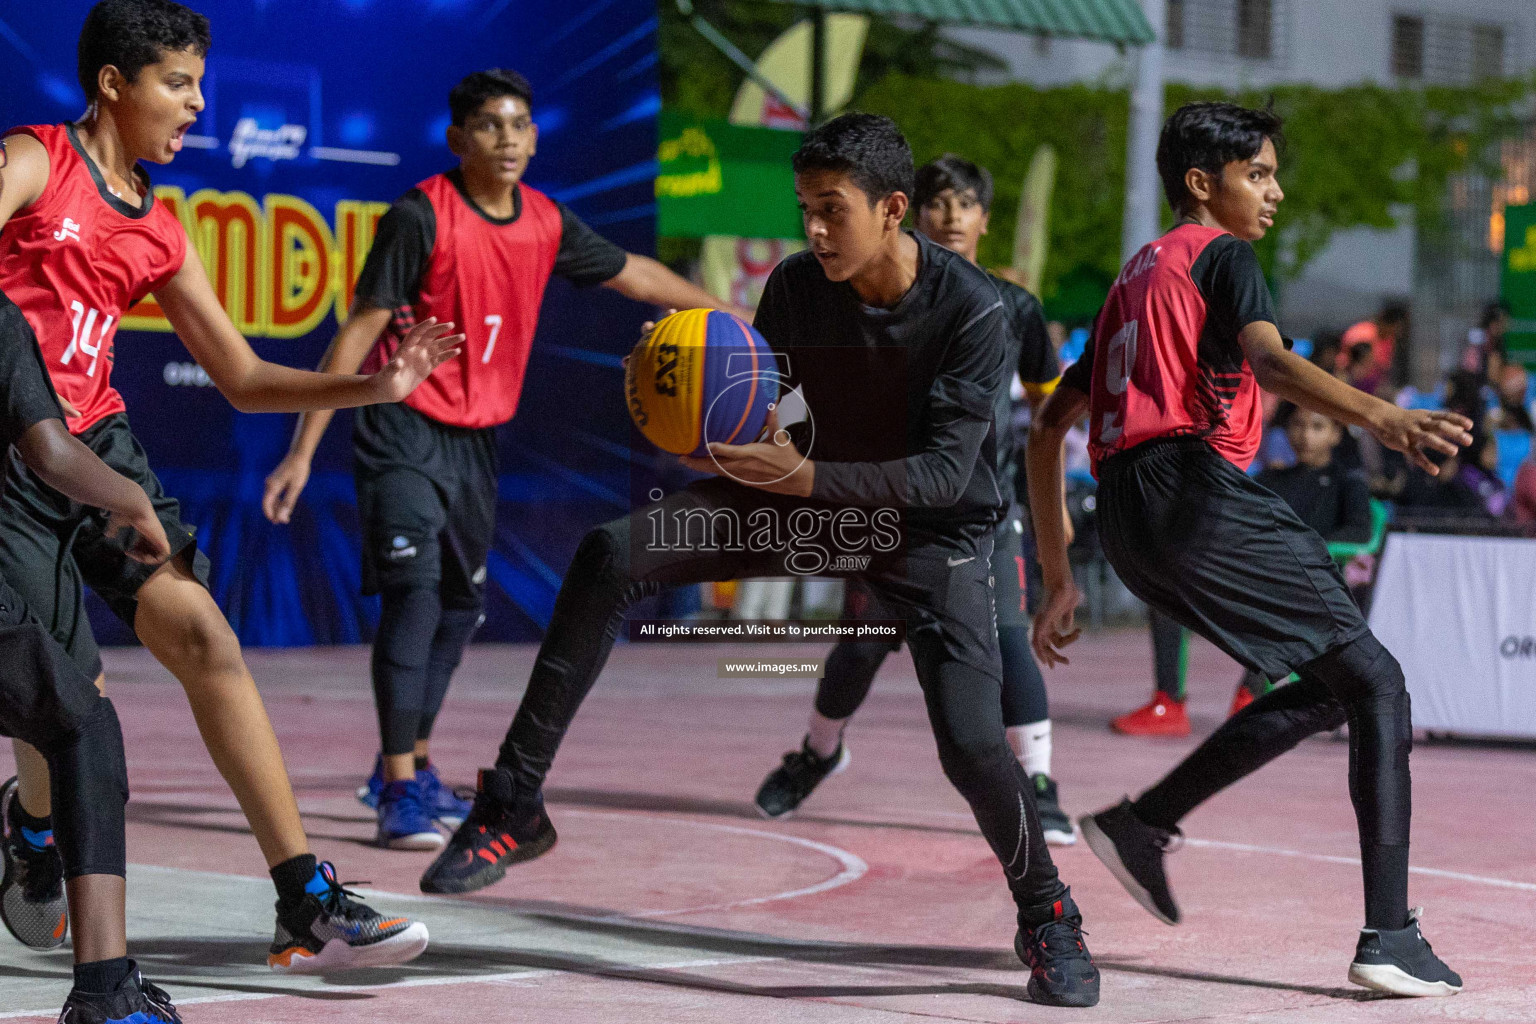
(668, 899)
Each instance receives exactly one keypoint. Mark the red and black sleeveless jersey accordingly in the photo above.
(438, 254)
(1165, 359)
(75, 260)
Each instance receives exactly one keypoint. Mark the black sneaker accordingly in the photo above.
(1401, 962)
(1133, 851)
(499, 831)
(1061, 968)
(1053, 820)
(136, 1001)
(787, 786)
(334, 931)
(32, 902)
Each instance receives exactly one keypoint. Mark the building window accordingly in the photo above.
(1255, 29)
(1407, 46)
(1174, 35)
(1487, 52)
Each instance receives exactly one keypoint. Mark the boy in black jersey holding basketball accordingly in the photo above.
(1185, 339)
(898, 347)
(952, 203)
(481, 242)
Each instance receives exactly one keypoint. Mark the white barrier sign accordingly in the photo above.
(1460, 614)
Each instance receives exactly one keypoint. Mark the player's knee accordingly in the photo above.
(205, 643)
(1363, 674)
(970, 757)
(603, 558)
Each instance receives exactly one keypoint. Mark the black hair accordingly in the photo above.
(1492, 313)
(869, 148)
(470, 94)
(956, 172)
(1210, 136)
(133, 34)
(1393, 313)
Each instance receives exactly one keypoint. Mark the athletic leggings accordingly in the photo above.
(948, 613)
(418, 647)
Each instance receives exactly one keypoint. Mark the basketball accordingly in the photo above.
(701, 376)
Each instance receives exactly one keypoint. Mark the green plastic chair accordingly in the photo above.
(1343, 551)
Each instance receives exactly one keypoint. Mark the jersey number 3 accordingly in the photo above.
(80, 340)
(493, 321)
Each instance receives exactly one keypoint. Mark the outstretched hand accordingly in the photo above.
(428, 345)
(1416, 432)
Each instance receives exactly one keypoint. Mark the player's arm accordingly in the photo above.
(1410, 431)
(1044, 472)
(23, 174)
(254, 385)
(646, 280)
(346, 352)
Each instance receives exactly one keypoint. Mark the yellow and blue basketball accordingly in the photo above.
(701, 376)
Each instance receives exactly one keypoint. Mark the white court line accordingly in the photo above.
(1326, 858)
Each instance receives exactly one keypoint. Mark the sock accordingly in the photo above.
(103, 976)
(1386, 897)
(825, 735)
(1032, 746)
(36, 832)
(423, 762)
(294, 878)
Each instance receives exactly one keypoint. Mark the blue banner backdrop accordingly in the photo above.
(320, 113)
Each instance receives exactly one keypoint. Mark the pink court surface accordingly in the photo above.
(668, 899)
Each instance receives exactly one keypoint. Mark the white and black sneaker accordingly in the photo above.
(1133, 851)
(1401, 963)
(1053, 820)
(787, 786)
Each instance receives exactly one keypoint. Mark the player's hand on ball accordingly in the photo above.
(284, 486)
(1417, 432)
(428, 345)
(1054, 626)
(772, 464)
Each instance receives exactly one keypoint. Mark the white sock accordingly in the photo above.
(824, 734)
(1032, 745)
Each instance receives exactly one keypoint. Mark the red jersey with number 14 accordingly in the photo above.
(1159, 369)
(75, 261)
(488, 279)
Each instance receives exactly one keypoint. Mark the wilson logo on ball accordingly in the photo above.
(700, 376)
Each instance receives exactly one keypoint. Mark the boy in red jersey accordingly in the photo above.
(1186, 338)
(81, 241)
(475, 245)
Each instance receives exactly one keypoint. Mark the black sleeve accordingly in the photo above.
(773, 319)
(28, 394)
(1354, 525)
(1233, 285)
(960, 409)
(586, 257)
(1037, 359)
(401, 248)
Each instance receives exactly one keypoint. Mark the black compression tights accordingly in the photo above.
(1359, 682)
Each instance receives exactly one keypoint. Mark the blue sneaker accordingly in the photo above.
(136, 1001)
(368, 792)
(404, 823)
(441, 802)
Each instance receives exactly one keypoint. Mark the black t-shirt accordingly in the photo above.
(1230, 280)
(902, 400)
(407, 232)
(28, 394)
(1332, 500)
(1031, 354)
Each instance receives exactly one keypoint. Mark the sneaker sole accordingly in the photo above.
(449, 821)
(366, 798)
(841, 766)
(1038, 992)
(1057, 837)
(55, 938)
(1398, 982)
(1103, 848)
(491, 873)
(336, 955)
(414, 841)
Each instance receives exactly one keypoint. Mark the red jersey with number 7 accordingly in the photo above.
(1165, 359)
(75, 261)
(488, 279)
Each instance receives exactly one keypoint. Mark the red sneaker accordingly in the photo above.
(1241, 699)
(1163, 717)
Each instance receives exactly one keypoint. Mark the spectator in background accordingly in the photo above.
(1479, 473)
(1370, 368)
(1523, 506)
(1326, 347)
(1511, 387)
(1485, 353)
(1447, 496)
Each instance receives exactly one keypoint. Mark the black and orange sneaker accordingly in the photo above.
(331, 930)
(32, 902)
(1061, 968)
(499, 831)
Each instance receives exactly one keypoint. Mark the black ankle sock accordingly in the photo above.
(1386, 892)
(422, 761)
(103, 976)
(21, 819)
(292, 875)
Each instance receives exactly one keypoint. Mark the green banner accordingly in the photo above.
(717, 178)
(1517, 283)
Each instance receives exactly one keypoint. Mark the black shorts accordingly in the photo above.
(1196, 538)
(50, 545)
(426, 493)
